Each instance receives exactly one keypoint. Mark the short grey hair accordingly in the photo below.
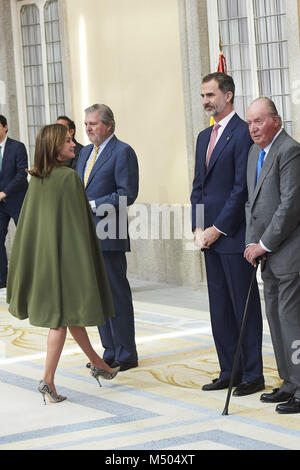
(271, 106)
(105, 113)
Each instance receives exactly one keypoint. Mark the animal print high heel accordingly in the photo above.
(44, 389)
(96, 372)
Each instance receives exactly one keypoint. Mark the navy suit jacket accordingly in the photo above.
(13, 177)
(222, 188)
(114, 174)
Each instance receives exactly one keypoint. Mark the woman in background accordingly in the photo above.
(56, 276)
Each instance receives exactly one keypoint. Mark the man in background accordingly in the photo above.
(13, 187)
(66, 121)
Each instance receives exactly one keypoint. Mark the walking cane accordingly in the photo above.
(238, 348)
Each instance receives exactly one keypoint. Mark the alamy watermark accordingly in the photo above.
(296, 353)
(148, 222)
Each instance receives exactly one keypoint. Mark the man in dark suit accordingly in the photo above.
(220, 186)
(273, 229)
(66, 121)
(109, 171)
(13, 187)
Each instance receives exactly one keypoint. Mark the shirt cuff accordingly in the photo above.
(264, 247)
(93, 206)
(220, 231)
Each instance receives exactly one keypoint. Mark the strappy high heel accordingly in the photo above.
(96, 372)
(44, 389)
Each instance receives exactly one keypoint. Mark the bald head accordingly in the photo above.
(263, 120)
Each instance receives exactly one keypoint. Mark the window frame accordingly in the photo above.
(213, 29)
(19, 63)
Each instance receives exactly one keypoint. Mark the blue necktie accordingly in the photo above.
(260, 162)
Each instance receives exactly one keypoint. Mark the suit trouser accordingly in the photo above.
(228, 279)
(282, 299)
(118, 334)
(5, 217)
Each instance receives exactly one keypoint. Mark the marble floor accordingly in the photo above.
(158, 406)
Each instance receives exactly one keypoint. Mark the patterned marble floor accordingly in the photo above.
(157, 406)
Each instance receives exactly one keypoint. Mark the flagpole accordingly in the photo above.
(222, 67)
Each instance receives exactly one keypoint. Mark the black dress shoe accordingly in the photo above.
(2, 285)
(291, 406)
(218, 384)
(277, 396)
(247, 388)
(124, 365)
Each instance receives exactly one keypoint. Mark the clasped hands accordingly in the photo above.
(205, 238)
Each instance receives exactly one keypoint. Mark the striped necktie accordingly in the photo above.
(90, 166)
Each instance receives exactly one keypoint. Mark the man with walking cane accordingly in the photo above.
(273, 228)
(220, 185)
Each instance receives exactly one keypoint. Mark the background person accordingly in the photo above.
(13, 187)
(66, 121)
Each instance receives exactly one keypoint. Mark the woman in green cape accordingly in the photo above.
(56, 275)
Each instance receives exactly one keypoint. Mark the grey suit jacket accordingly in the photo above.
(273, 207)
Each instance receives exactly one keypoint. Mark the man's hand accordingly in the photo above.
(2, 195)
(252, 252)
(198, 237)
(210, 236)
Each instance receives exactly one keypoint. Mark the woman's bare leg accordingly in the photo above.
(55, 343)
(80, 335)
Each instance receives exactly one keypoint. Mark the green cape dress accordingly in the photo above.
(56, 273)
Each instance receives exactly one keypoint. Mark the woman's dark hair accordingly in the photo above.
(48, 144)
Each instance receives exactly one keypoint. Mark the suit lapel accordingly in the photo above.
(103, 157)
(204, 146)
(85, 155)
(252, 170)
(268, 163)
(7, 148)
(222, 142)
(7, 151)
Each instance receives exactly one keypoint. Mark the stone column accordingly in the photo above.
(8, 94)
(195, 65)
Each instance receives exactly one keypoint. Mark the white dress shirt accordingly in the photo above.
(2, 145)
